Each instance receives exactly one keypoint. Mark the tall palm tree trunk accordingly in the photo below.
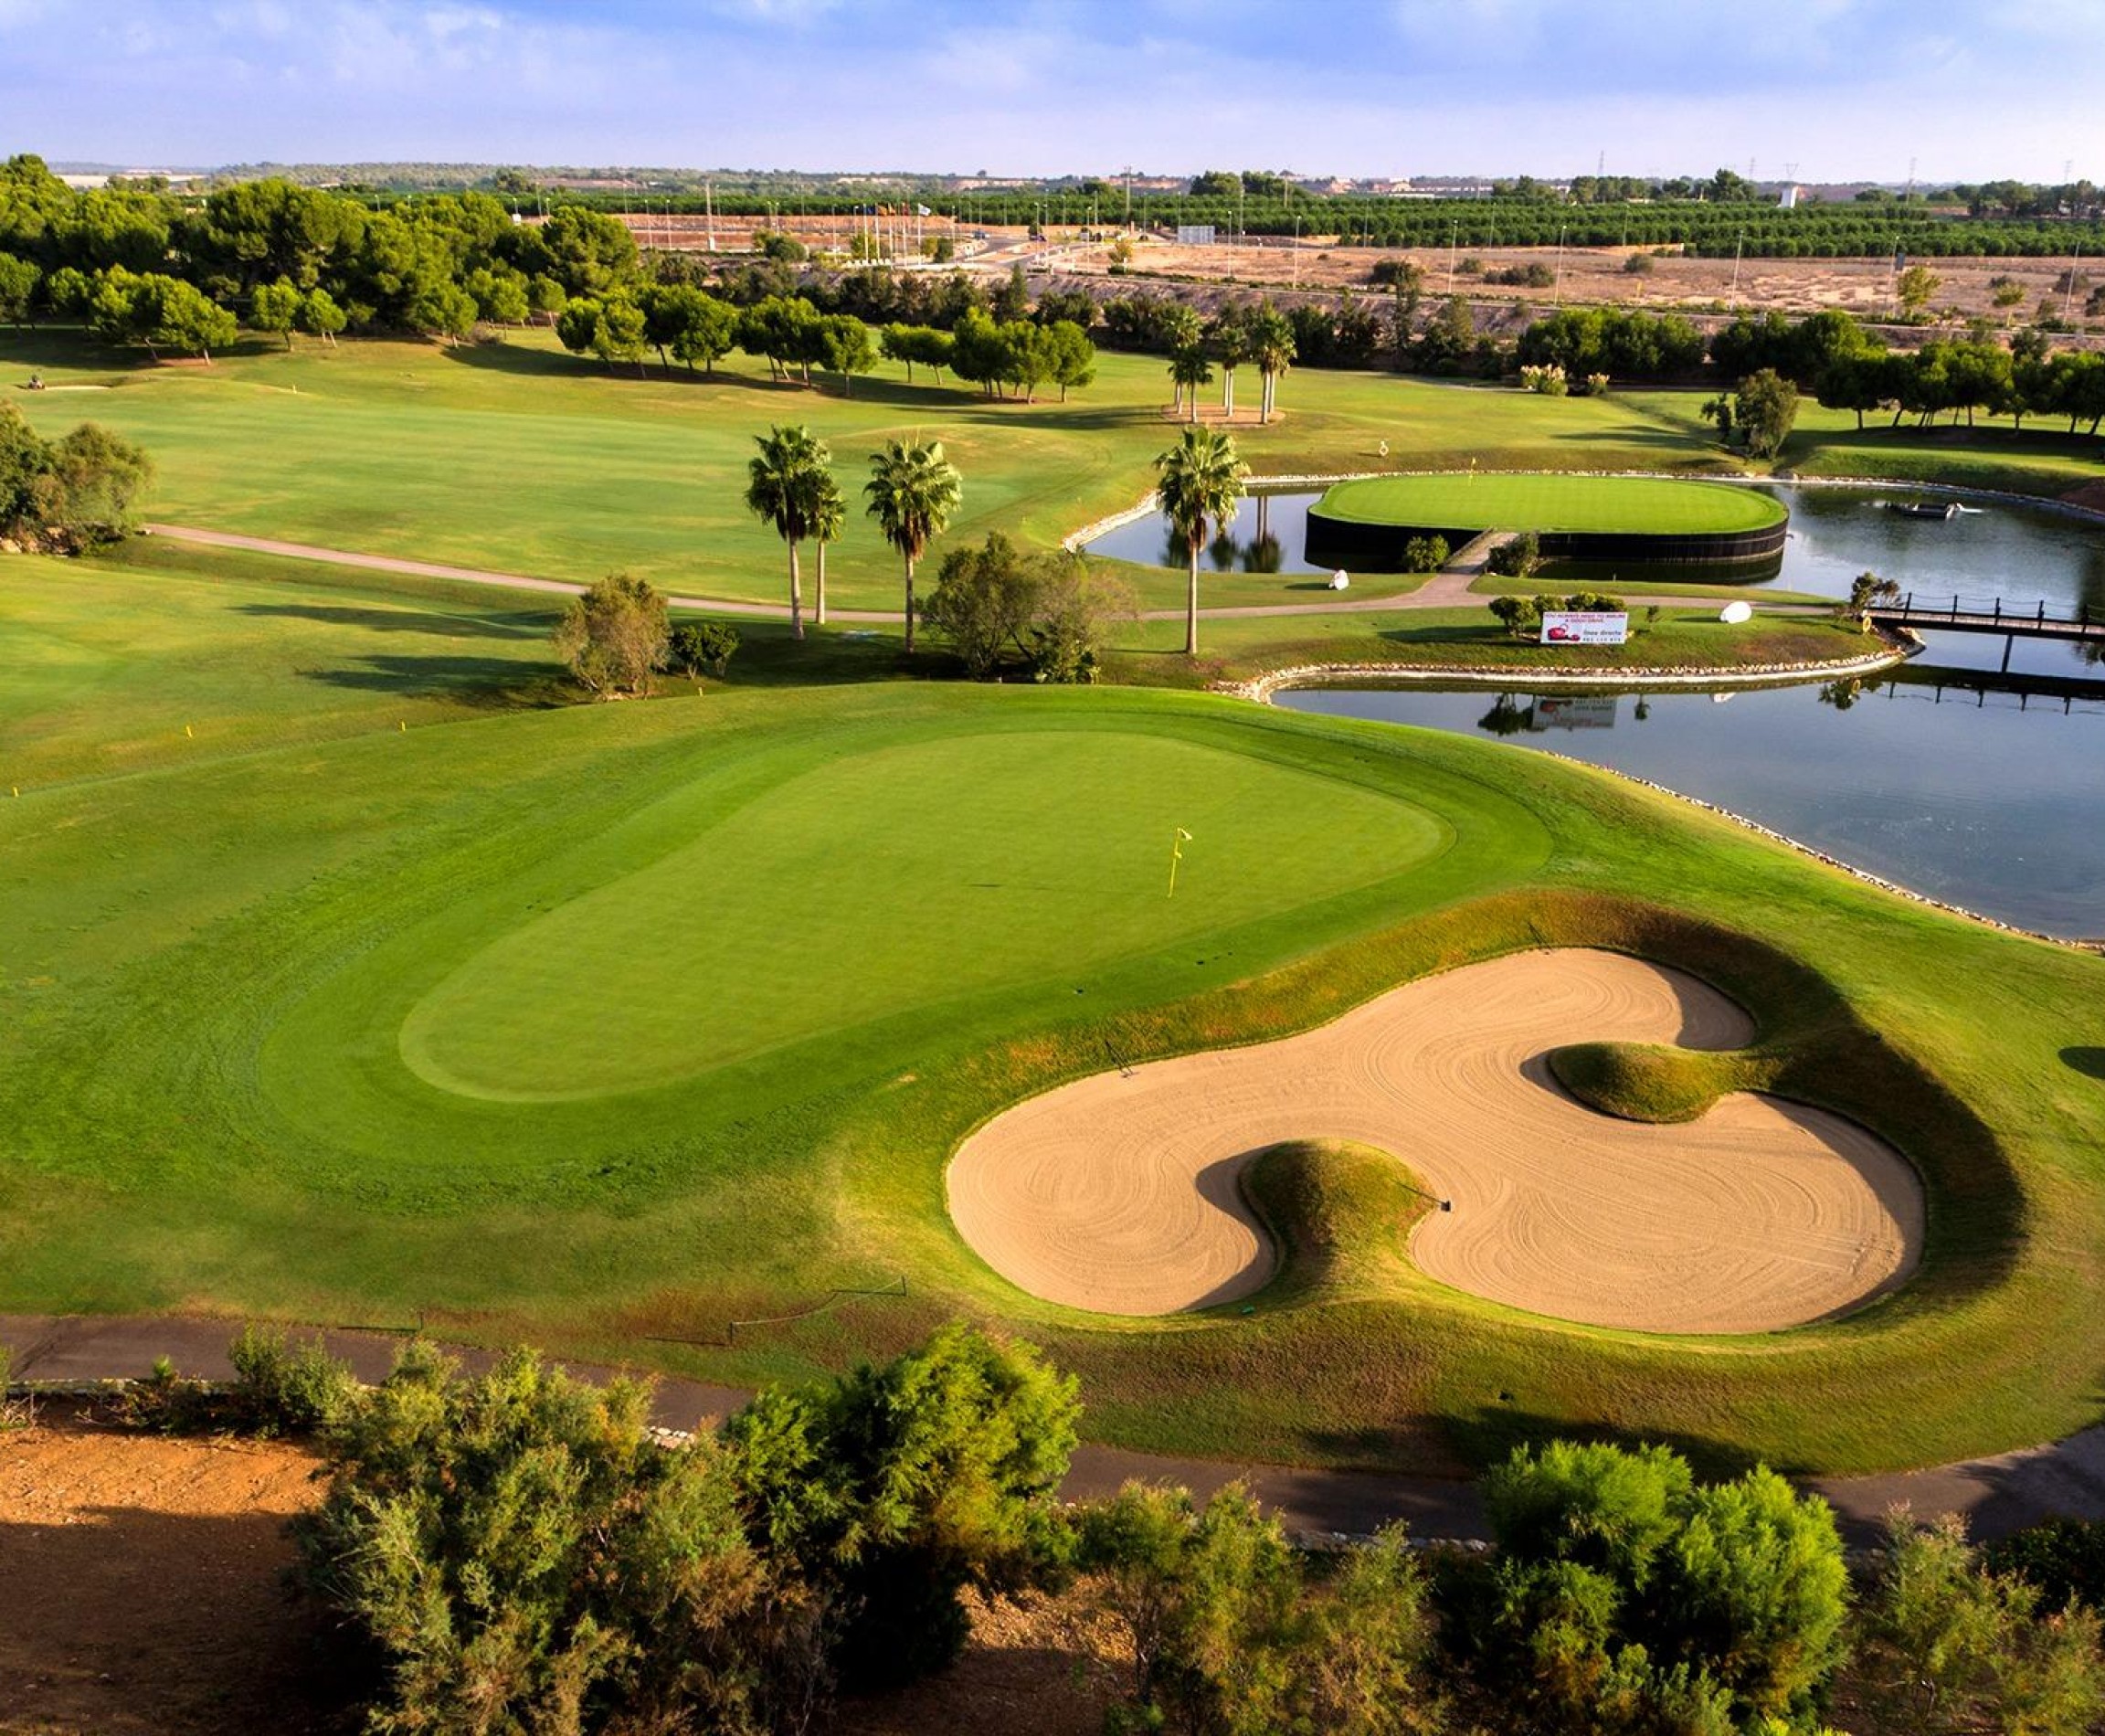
(796, 595)
(1191, 604)
(818, 596)
(909, 605)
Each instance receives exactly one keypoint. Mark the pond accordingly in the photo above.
(1991, 548)
(1992, 800)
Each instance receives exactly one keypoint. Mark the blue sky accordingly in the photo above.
(1840, 88)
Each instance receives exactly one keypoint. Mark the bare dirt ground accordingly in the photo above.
(140, 1584)
(1120, 1194)
(1589, 275)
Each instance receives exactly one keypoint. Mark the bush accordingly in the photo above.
(2065, 1557)
(615, 636)
(1518, 557)
(1627, 1597)
(1520, 615)
(693, 646)
(1639, 265)
(995, 603)
(282, 1388)
(1426, 554)
(1545, 378)
(69, 496)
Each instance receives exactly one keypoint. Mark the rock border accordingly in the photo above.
(1261, 688)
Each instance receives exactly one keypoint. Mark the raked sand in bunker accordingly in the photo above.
(1121, 1193)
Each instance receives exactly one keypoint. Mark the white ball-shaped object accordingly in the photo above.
(1340, 580)
(1734, 613)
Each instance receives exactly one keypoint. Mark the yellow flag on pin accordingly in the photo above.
(1176, 855)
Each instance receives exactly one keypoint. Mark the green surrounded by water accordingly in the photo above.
(1634, 505)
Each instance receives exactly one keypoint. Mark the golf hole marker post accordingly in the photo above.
(1177, 843)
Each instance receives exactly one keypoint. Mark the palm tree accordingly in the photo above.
(829, 518)
(782, 492)
(1201, 479)
(1272, 348)
(914, 493)
(1230, 335)
(1190, 369)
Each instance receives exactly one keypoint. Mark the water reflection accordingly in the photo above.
(1984, 789)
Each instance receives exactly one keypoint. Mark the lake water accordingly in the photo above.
(1992, 801)
(2023, 554)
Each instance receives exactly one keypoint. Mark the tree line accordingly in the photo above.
(1833, 356)
(518, 1550)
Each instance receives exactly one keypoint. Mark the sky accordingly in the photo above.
(1823, 90)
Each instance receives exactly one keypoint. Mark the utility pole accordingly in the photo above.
(2068, 300)
(1558, 292)
(1453, 234)
(1737, 247)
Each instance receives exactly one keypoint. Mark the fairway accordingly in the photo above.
(350, 976)
(951, 866)
(517, 455)
(1603, 504)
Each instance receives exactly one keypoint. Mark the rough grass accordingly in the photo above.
(1598, 503)
(1643, 1081)
(1339, 1213)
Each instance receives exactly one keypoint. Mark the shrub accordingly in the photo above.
(1625, 1597)
(1426, 554)
(1639, 265)
(694, 646)
(2065, 1557)
(284, 1387)
(1520, 615)
(615, 636)
(521, 1555)
(1546, 378)
(69, 495)
(1517, 557)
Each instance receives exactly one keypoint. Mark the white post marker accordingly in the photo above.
(1176, 855)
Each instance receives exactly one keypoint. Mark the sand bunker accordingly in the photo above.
(1119, 1193)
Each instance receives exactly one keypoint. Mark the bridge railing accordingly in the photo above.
(1928, 608)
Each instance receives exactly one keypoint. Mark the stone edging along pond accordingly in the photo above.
(1261, 688)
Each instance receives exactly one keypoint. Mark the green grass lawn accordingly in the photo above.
(1542, 502)
(520, 457)
(606, 1025)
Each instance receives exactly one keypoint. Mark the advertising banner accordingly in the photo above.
(1585, 627)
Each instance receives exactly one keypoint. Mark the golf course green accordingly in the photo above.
(606, 1025)
(1606, 504)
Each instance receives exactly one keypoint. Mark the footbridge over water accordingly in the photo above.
(1993, 615)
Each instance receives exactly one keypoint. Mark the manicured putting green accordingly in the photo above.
(890, 879)
(1608, 506)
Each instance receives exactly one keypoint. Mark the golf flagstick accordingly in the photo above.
(1176, 855)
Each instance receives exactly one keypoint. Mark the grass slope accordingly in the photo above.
(1596, 503)
(218, 953)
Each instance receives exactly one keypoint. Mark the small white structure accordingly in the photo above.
(1340, 580)
(1733, 614)
(1195, 234)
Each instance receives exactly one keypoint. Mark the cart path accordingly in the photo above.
(1996, 1495)
(1447, 589)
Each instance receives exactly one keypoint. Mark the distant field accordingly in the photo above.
(1604, 504)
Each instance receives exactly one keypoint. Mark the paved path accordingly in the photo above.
(1446, 589)
(1997, 1495)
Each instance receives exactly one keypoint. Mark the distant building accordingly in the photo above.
(1789, 201)
(1195, 235)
